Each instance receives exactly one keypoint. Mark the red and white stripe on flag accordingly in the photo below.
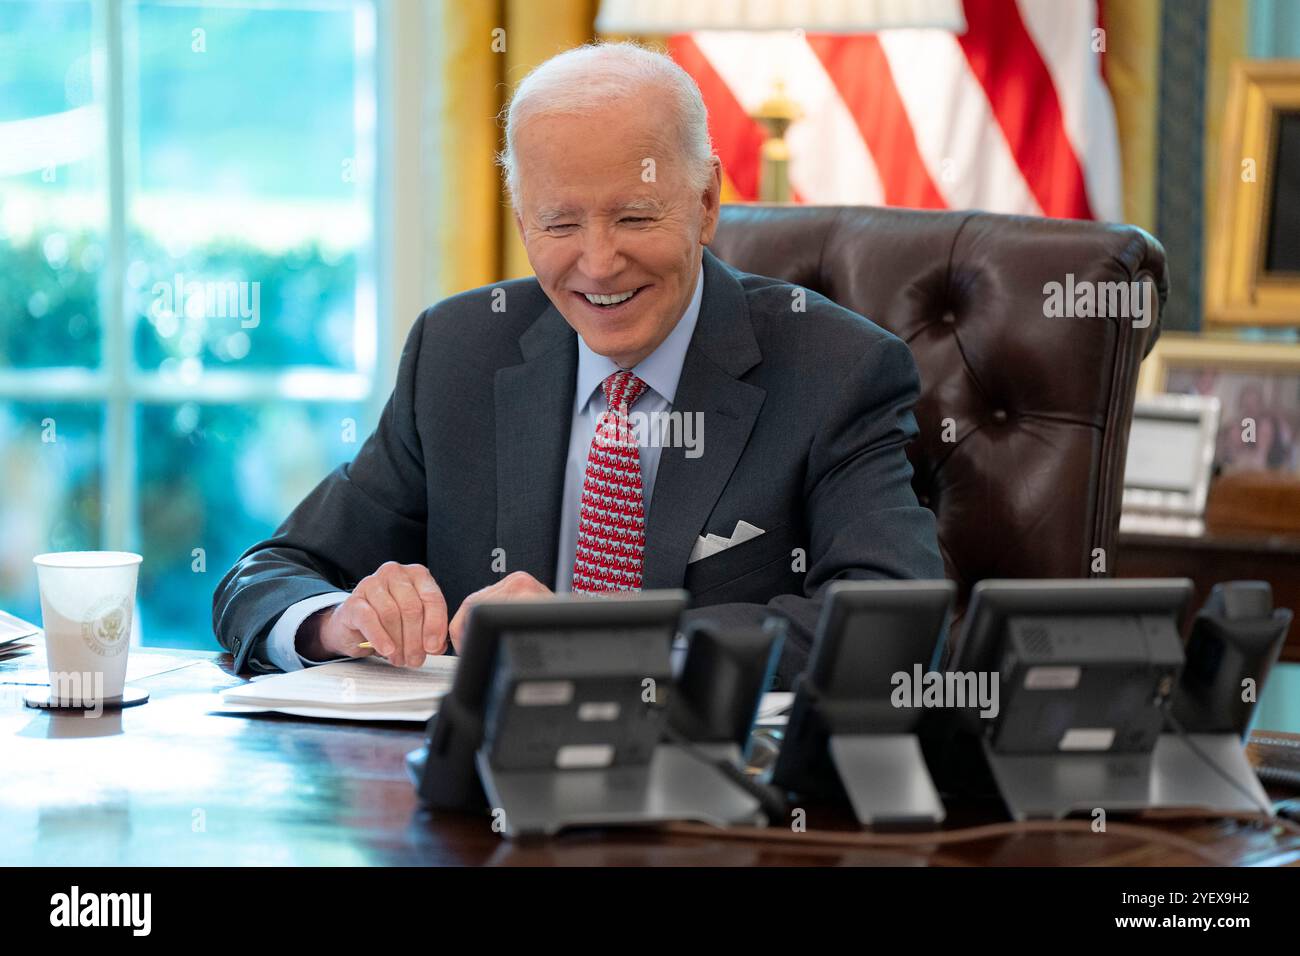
(1012, 116)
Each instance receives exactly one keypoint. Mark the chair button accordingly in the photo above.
(949, 319)
(1000, 416)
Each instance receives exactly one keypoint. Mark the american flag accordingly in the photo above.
(1012, 116)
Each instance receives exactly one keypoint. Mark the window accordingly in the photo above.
(189, 332)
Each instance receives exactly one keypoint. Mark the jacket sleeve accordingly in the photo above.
(364, 513)
(864, 521)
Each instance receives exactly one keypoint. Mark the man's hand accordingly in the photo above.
(514, 586)
(399, 609)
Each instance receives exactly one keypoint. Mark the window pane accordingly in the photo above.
(52, 202)
(219, 478)
(250, 227)
(50, 470)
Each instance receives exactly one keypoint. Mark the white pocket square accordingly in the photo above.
(710, 544)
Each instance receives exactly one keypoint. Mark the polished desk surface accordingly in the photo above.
(169, 782)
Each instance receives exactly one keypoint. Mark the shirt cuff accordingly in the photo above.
(281, 647)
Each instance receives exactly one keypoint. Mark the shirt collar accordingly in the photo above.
(661, 370)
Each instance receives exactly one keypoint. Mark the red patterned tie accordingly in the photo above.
(611, 522)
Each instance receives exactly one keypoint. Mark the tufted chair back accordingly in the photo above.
(1023, 418)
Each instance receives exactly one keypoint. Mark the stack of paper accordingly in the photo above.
(368, 688)
(16, 635)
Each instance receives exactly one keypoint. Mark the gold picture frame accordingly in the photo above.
(1225, 352)
(1238, 289)
(1256, 379)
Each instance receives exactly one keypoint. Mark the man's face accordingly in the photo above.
(606, 209)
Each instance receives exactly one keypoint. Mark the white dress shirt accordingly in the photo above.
(660, 370)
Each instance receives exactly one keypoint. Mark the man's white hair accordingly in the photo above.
(588, 77)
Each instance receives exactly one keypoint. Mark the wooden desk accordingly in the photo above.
(1219, 555)
(170, 783)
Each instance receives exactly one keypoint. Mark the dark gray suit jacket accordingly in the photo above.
(806, 415)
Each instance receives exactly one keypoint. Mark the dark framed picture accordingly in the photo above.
(1253, 270)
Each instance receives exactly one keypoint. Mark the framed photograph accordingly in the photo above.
(1258, 388)
(1253, 271)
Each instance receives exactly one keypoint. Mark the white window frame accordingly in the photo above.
(393, 259)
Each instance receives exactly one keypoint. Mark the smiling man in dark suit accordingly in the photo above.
(504, 466)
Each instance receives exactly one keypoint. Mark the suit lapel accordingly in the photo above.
(722, 349)
(534, 409)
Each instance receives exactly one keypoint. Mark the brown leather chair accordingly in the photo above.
(1026, 479)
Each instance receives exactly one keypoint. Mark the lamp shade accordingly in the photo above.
(813, 16)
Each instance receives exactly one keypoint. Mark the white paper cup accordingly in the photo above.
(87, 598)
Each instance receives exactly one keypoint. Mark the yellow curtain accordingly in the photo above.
(1229, 27)
(1133, 74)
(483, 50)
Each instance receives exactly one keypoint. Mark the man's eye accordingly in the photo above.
(636, 219)
(561, 227)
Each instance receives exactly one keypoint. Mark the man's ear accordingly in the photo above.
(711, 199)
